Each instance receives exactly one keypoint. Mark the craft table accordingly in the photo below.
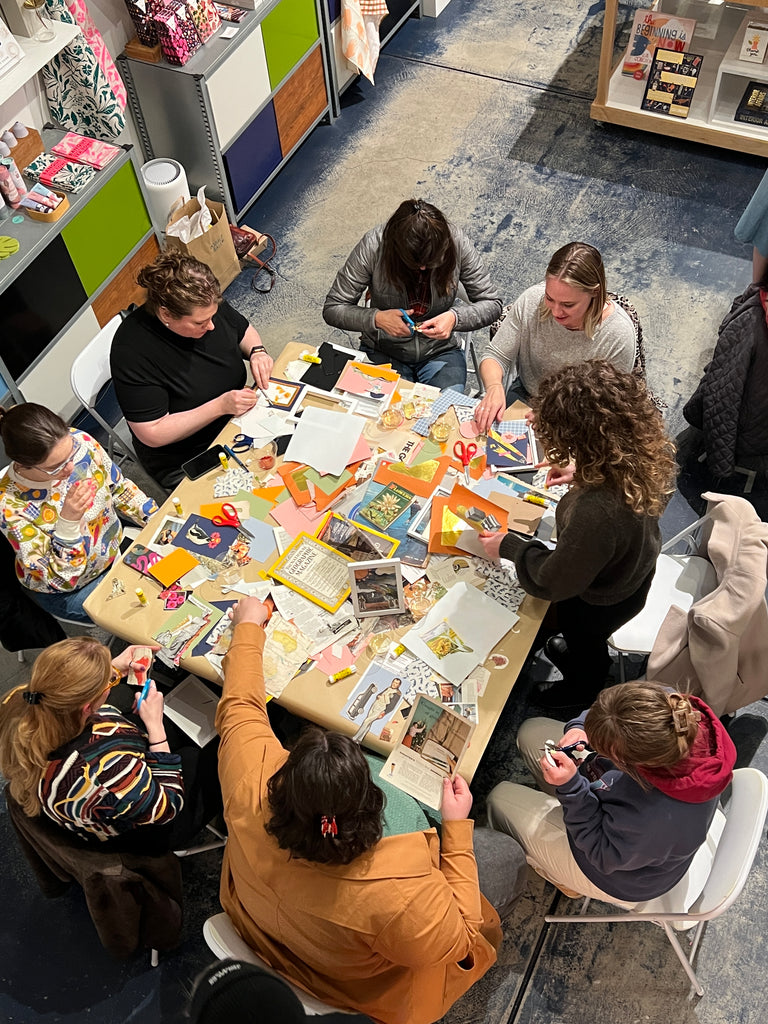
(307, 695)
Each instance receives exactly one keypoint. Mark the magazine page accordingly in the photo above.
(429, 749)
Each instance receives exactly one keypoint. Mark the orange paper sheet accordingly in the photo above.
(173, 566)
(421, 479)
(461, 500)
(443, 529)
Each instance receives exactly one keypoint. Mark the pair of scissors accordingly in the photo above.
(465, 452)
(229, 517)
(242, 443)
(415, 328)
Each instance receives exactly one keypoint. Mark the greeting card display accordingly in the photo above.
(176, 33)
(205, 17)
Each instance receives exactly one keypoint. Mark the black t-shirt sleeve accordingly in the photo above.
(141, 392)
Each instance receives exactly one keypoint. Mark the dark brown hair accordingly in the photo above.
(604, 421)
(642, 724)
(417, 235)
(326, 774)
(29, 433)
(180, 283)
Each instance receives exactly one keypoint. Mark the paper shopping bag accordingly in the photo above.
(214, 247)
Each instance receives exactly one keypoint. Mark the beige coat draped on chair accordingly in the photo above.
(719, 649)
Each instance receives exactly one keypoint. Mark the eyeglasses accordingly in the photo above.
(71, 458)
(114, 679)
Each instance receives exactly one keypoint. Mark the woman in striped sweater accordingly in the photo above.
(68, 753)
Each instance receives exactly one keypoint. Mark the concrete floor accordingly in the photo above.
(486, 112)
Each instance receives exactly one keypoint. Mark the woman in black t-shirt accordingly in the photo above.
(177, 365)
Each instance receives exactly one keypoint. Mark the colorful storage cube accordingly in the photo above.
(205, 17)
(176, 33)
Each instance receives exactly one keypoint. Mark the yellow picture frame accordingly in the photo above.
(385, 549)
(315, 570)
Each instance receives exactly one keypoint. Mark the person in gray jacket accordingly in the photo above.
(412, 268)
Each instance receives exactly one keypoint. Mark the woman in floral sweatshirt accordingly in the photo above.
(59, 500)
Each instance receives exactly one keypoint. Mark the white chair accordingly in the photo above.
(90, 378)
(735, 851)
(224, 941)
(680, 579)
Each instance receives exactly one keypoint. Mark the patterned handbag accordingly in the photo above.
(176, 33)
(205, 17)
(141, 12)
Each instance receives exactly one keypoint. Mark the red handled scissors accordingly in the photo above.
(229, 517)
(465, 452)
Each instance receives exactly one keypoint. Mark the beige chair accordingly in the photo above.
(735, 845)
(225, 942)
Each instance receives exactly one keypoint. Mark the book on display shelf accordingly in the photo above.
(755, 42)
(652, 29)
(671, 82)
(753, 108)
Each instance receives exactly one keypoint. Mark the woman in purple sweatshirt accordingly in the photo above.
(625, 824)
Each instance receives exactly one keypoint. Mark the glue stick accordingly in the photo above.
(342, 674)
(224, 461)
(141, 596)
(177, 505)
(309, 358)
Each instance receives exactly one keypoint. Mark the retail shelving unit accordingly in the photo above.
(722, 82)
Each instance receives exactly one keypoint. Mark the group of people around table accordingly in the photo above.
(396, 925)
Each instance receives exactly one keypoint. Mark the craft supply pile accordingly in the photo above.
(333, 500)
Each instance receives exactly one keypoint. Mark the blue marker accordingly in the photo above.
(143, 693)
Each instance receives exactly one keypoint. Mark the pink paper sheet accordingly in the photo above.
(297, 520)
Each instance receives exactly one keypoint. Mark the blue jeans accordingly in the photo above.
(446, 370)
(66, 604)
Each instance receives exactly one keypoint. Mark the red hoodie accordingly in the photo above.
(706, 771)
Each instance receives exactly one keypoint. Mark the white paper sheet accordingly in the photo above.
(325, 440)
(192, 706)
(476, 620)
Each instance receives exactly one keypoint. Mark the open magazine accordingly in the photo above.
(429, 748)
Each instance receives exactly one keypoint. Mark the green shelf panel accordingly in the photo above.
(288, 32)
(106, 230)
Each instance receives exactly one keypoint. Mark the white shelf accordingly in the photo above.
(36, 56)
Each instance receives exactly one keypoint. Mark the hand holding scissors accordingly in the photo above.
(465, 452)
(229, 517)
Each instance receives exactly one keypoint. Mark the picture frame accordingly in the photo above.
(283, 394)
(356, 542)
(376, 587)
(317, 398)
(315, 570)
(419, 528)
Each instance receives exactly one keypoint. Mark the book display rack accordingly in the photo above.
(720, 89)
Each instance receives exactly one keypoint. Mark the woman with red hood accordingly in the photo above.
(624, 823)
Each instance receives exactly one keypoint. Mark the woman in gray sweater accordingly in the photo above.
(412, 268)
(602, 433)
(567, 318)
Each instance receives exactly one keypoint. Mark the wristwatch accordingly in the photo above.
(256, 348)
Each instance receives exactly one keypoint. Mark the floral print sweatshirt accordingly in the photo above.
(53, 554)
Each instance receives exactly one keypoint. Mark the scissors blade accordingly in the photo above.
(466, 475)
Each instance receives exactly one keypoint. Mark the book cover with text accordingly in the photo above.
(649, 30)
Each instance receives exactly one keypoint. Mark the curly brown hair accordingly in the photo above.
(326, 774)
(180, 283)
(604, 421)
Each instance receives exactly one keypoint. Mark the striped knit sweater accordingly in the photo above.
(107, 781)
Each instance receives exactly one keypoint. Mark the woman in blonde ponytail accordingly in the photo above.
(630, 791)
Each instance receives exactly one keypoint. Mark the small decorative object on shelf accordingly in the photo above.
(671, 81)
(651, 29)
(177, 33)
(755, 42)
(44, 31)
(753, 108)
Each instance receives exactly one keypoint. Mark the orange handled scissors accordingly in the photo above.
(229, 517)
(465, 452)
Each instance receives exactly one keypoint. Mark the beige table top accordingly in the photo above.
(308, 695)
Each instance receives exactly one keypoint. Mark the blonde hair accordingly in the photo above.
(581, 266)
(604, 421)
(37, 718)
(642, 725)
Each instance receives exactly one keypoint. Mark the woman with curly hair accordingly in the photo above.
(178, 365)
(602, 433)
(625, 825)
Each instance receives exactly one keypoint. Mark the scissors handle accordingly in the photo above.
(460, 451)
